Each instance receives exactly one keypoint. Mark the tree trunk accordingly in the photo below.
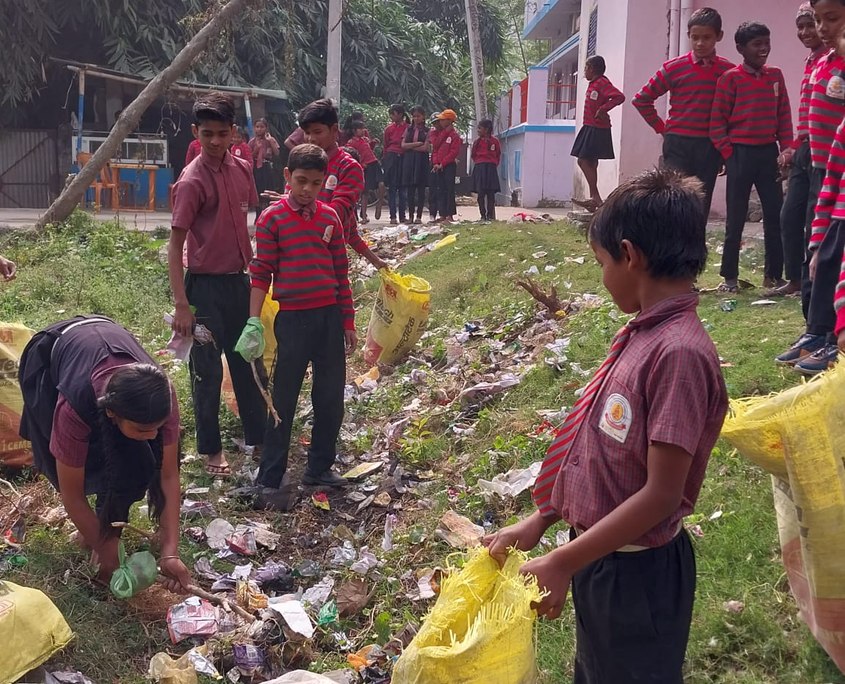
(476, 56)
(64, 204)
(333, 51)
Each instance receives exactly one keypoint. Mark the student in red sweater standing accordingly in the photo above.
(240, 146)
(750, 123)
(394, 134)
(594, 141)
(797, 213)
(690, 81)
(301, 252)
(446, 147)
(486, 155)
(372, 169)
(812, 349)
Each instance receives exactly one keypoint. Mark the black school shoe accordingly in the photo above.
(328, 478)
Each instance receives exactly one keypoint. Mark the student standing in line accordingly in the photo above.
(103, 420)
(394, 134)
(797, 213)
(594, 141)
(486, 155)
(211, 202)
(240, 146)
(302, 255)
(373, 177)
(750, 124)
(444, 155)
(263, 147)
(691, 82)
(416, 167)
(627, 466)
(812, 351)
(433, 185)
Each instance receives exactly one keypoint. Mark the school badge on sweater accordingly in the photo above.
(616, 418)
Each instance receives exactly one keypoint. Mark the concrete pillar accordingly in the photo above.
(538, 92)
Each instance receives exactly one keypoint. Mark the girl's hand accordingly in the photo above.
(106, 557)
(524, 535)
(178, 577)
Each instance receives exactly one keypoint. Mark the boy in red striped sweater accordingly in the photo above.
(594, 141)
(812, 351)
(691, 82)
(751, 122)
(301, 252)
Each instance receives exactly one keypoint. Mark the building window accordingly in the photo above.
(517, 166)
(592, 36)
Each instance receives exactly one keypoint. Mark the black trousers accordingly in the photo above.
(416, 200)
(821, 318)
(221, 304)
(633, 613)
(312, 336)
(397, 199)
(487, 205)
(433, 195)
(797, 213)
(753, 166)
(816, 182)
(445, 180)
(694, 157)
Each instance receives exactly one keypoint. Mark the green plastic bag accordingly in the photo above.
(135, 573)
(251, 343)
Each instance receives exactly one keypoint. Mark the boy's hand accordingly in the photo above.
(350, 338)
(552, 579)
(272, 195)
(183, 320)
(250, 344)
(841, 341)
(178, 577)
(814, 264)
(379, 263)
(524, 535)
(785, 159)
(8, 269)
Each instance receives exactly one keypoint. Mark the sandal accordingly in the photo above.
(218, 470)
(728, 289)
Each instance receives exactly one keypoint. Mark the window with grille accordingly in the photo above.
(592, 36)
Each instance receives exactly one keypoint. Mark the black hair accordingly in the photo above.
(706, 16)
(749, 30)
(318, 112)
(661, 212)
(357, 115)
(307, 157)
(418, 109)
(399, 109)
(140, 393)
(816, 2)
(486, 123)
(214, 106)
(352, 152)
(597, 64)
(357, 125)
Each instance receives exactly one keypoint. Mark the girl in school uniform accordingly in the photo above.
(263, 147)
(240, 147)
(415, 163)
(103, 420)
(594, 141)
(394, 134)
(486, 155)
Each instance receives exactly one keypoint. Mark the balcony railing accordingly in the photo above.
(561, 101)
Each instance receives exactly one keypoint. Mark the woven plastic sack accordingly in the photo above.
(799, 437)
(135, 573)
(32, 630)
(399, 318)
(480, 631)
(14, 451)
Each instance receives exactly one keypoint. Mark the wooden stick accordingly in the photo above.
(132, 528)
(216, 600)
(264, 393)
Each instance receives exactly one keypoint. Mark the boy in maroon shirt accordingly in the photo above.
(628, 463)
(211, 201)
(750, 124)
(301, 252)
(690, 81)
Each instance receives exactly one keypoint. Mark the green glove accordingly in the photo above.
(251, 342)
(135, 573)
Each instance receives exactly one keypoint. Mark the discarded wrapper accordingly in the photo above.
(249, 659)
(512, 483)
(179, 346)
(193, 617)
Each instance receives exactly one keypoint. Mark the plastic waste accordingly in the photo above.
(135, 573)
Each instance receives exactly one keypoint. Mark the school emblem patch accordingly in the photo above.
(331, 182)
(594, 95)
(836, 88)
(327, 234)
(616, 418)
(777, 89)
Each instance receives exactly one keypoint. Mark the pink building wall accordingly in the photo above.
(633, 37)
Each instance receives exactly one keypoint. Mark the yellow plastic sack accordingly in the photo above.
(14, 451)
(799, 437)
(480, 631)
(31, 630)
(399, 318)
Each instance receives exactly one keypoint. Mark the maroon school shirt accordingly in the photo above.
(211, 201)
(666, 386)
(487, 150)
(394, 134)
(70, 435)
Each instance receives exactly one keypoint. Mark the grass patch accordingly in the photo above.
(89, 267)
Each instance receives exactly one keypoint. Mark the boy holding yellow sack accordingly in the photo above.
(301, 251)
(627, 465)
